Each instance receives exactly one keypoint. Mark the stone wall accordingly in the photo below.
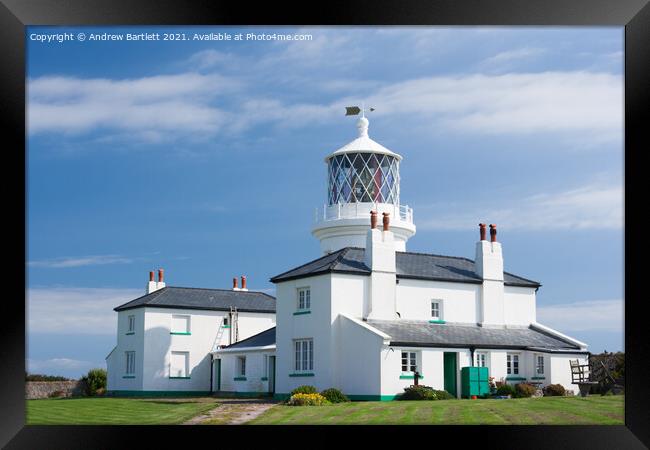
(43, 389)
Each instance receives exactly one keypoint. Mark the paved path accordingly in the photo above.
(232, 411)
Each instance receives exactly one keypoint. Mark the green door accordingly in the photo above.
(450, 372)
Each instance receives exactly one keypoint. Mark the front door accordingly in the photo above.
(450, 372)
(218, 373)
(272, 374)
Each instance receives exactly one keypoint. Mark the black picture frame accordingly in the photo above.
(15, 15)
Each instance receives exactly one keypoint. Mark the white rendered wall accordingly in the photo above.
(560, 370)
(254, 372)
(116, 363)
(460, 300)
(359, 359)
(519, 305)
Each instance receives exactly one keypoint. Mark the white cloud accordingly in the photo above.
(505, 60)
(595, 315)
(81, 261)
(593, 206)
(75, 310)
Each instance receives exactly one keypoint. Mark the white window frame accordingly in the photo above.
(304, 298)
(241, 365)
(439, 303)
(539, 358)
(130, 363)
(478, 356)
(131, 324)
(188, 328)
(411, 358)
(186, 369)
(511, 359)
(303, 355)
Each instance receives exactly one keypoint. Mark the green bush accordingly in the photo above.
(94, 380)
(554, 390)
(524, 390)
(39, 377)
(419, 392)
(300, 399)
(306, 389)
(506, 389)
(443, 395)
(333, 395)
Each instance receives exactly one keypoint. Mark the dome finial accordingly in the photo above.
(362, 123)
(362, 126)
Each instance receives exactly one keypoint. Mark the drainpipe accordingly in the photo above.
(211, 371)
(471, 351)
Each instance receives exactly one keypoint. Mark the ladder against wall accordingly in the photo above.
(234, 324)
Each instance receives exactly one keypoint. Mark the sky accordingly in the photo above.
(205, 158)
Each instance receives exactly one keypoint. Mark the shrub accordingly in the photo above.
(443, 395)
(38, 377)
(307, 400)
(333, 395)
(554, 390)
(506, 389)
(419, 392)
(56, 394)
(94, 380)
(524, 390)
(100, 392)
(306, 389)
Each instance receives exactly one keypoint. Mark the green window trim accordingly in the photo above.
(179, 378)
(239, 378)
(181, 333)
(437, 321)
(538, 378)
(264, 378)
(306, 374)
(516, 378)
(130, 333)
(409, 377)
(226, 326)
(128, 376)
(299, 313)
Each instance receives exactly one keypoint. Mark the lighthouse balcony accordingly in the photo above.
(401, 213)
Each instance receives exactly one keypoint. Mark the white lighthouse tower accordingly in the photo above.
(361, 176)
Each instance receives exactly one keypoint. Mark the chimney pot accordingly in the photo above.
(482, 230)
(243, 281)
(493, 232)
(234, 283)
(373, 219)
(151, 275)
(161, 275)
(386, 221)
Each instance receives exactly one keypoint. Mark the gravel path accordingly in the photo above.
(232, 411)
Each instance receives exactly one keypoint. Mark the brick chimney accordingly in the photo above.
(489, 266)
(153, 286)
(243, 283)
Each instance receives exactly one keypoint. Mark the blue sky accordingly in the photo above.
(206, 158)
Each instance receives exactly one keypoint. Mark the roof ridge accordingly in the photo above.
(219, 289)
(155, 294)
(250, 337)
(437, 255)
(309, 262)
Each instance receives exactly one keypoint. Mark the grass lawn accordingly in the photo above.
(592, 410)
(115, 411)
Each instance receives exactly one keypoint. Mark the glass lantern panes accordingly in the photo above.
(364, 178)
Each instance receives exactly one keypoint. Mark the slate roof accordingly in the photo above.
(424, 334)
(420, 266)
(266, 337)
(210, 299)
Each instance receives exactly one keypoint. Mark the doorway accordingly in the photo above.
(450, 372)
(218, 372)
(272, 374)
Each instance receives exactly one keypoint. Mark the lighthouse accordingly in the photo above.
(362, 176)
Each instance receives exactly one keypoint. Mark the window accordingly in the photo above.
(131, 324)
(225, 321)
(180, 324)
(304, 355)
(179, 367)
(304, 298)
(130, 363)
(409, 362)
(481, 359)
(539, 364)
(512, 364)
(436, 309)
(241, 366)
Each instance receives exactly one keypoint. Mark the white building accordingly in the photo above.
(368, 314)
(165, 338)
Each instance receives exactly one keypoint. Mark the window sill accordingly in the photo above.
(538, 378)
(514, 378)
(225, 326)
(437, 321)
(264, 379)
(179, 378)
(299, 313)
(130, 333)
(409, 377)
(179, 333)
(306, 374)
(128, 376)
(239, 378)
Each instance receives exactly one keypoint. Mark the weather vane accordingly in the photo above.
(354, 110)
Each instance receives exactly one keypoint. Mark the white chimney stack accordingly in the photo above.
(153, 286)
(489, 266)
(380, 258)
